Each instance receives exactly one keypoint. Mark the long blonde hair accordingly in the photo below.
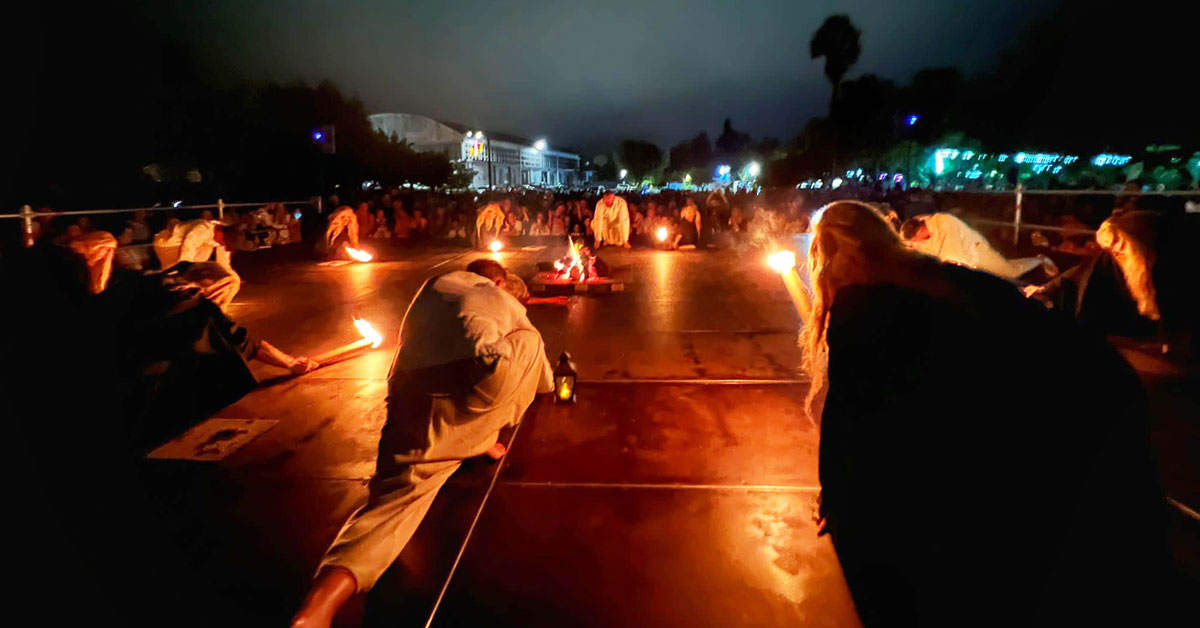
(852, 243)
(97, 249)
(1129, 237)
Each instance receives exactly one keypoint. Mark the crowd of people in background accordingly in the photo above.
(1063, 247)
(668, 219)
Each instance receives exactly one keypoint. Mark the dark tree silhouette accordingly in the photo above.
(937, 96)
(838, 41)
(641, 158)
(732, 142)
(694, 153)
(865, 114)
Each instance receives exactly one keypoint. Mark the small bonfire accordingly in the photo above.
(577, 271)
(577, 265)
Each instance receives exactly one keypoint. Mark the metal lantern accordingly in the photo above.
(564, 379)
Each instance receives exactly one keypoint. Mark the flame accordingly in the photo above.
(782, 261)
(495, 246)
(661, 233)
(576, 265)
(575, 259)
(368, 332)
(359, 254)
(564, 390)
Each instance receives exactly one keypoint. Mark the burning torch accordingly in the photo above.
(370, 338)
(784, 263)
(359, 255)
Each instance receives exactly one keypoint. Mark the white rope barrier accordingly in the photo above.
(1026, 225)
(27, 215)
(155, 208)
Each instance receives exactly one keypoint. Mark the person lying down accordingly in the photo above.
(946, 237)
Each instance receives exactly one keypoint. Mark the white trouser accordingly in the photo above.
(430, 430)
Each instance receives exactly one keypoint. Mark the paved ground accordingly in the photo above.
(678, 491)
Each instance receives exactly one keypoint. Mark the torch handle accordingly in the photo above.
(795, 288)
(342, 350)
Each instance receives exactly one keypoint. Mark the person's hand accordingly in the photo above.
(303, 365)
(1032, 290)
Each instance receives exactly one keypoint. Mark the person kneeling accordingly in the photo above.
(179, 357)
(469, 364)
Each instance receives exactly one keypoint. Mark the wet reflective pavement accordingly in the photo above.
(678, 491)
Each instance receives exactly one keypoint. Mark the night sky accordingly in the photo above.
(587, 74)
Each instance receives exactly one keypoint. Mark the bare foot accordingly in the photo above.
(333, 587)
(305, 621)
(496, 452)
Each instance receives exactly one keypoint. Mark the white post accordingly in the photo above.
(1017, 215)
(221, 210)
(27, 220)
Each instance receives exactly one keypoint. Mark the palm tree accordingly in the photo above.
(837, 41)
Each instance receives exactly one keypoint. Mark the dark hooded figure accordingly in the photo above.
(1160, 264)
(174, 356)
(984, 461)
(1140, 281)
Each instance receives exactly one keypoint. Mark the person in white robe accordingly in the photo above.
(210, 264)
(611, 222)
(946, 237)
(468, 365)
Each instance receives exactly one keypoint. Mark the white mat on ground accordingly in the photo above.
(212, 440)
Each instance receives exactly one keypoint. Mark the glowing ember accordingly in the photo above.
(495, 246)
(359, 255)
(661, 233)
(368, 332)
(577, 265)
(782, 261)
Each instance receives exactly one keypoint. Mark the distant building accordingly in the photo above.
(514, 161)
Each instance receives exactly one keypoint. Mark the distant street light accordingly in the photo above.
(754, 169)
(540, 145)
(624, 173)
(912, 119)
